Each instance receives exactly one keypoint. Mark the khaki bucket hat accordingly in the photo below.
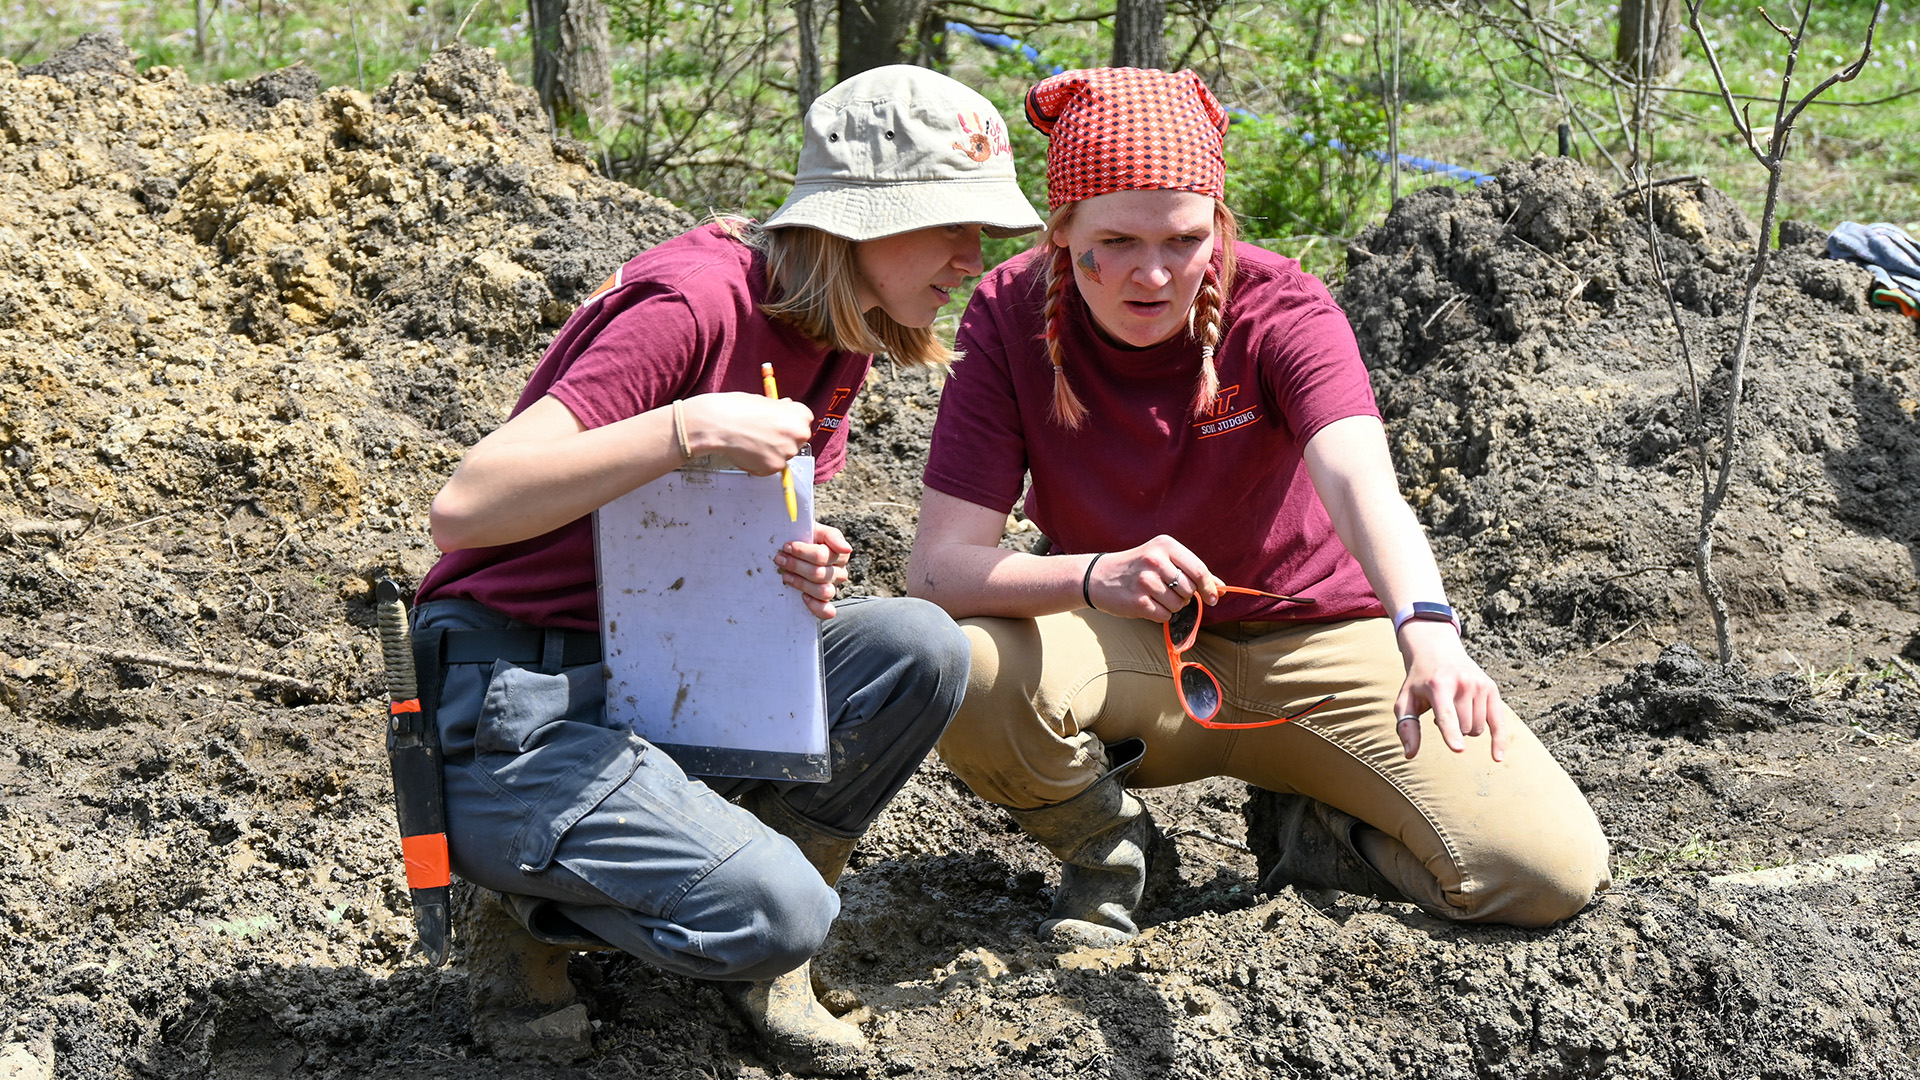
(900, 148)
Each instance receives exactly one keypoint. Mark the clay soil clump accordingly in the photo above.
(247, 330)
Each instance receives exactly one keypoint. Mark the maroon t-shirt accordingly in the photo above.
(1231, 485)
(682, 319)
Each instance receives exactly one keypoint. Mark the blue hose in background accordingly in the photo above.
(1418, 164)
(1004, 44)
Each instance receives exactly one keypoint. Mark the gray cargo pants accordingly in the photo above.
(545, 800)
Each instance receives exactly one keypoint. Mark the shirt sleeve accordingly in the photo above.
(979, 447)
(642, 351)
(1312, 367)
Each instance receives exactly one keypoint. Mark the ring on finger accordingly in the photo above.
(1406, 720)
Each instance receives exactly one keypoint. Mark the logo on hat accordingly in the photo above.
(991, 139)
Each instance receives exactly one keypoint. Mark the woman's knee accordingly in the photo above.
(944, 656)
(1552, 875)
(909, 626)
(761, 912)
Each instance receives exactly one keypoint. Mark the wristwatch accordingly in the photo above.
(1426, 609)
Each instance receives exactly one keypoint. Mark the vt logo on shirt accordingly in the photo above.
(836, 410)
(1218, 418)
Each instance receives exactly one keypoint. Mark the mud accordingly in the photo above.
(246, 331)
(1542, 413)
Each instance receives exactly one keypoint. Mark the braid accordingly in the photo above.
(1067, 409)
(1206, 327)
(1209, 305)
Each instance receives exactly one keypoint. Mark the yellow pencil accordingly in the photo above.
(786, 474)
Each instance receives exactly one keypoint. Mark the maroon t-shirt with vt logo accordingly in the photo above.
(682, 319)
(1231, 485)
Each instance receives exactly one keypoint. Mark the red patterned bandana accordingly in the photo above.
(1115, 129)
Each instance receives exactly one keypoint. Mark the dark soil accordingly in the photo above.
(247, 330)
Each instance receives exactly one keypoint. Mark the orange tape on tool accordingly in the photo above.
(426, 857)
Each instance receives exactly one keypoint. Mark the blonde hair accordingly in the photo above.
(812, 286)
(1203, 321)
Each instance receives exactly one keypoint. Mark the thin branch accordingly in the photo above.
(1634, 189)
(1591, 653)
(1680, 327)
(1780, 126)
(726, 162)
(197, 667)
(1532, 50)
(1720, 78)
(1642, 570)
(1908, 92)
(1781, 30)
(1846, 75)
(1595, 140)
(1023, 18)
(1198, 834)
(462, 32)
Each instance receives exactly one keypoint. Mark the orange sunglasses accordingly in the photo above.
(1199, 691)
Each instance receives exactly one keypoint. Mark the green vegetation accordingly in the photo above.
(1693, 854)
(707, 104)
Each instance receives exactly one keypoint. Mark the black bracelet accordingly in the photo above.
(1086, 580)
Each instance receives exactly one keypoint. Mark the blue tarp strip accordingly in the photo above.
(1419, 164)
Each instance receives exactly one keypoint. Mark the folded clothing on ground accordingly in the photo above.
(1892, 256)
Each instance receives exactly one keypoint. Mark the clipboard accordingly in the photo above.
(708, 654)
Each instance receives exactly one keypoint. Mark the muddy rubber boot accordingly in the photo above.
(798, 1031)
(523, 1006)
(1102, 837)
(1316, 850)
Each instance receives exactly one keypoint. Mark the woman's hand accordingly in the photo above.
(1151, 581)
(756, 433)
(1441, 677)
(817, 569)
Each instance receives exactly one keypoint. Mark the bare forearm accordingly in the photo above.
(970, 579)
(1354, 478)
(1391, 548)
(513, 490)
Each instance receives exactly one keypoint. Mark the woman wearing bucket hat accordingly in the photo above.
(1230, 552)
(901, 171)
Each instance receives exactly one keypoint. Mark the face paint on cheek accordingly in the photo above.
(1091, 268)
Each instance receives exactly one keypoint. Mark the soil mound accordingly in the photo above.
(268, 316)
(1541, 413)
(246, 330)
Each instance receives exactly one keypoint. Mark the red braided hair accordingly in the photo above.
(1210, 303)
(1067, 409)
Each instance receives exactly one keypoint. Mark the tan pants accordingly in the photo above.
(1464, 836)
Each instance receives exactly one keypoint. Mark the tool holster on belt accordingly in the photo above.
(413, 752)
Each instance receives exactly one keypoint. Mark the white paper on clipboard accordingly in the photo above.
(709, 655)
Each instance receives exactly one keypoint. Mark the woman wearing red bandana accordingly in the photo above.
(1193, 414)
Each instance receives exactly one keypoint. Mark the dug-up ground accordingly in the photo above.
(246, 331)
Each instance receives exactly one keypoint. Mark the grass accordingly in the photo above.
(346, 42)
(1690, 854)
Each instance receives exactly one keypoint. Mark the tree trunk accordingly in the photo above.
(809, 65)
(1140, 34)
(572, 58)
(874, 33)
(1648, 42)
